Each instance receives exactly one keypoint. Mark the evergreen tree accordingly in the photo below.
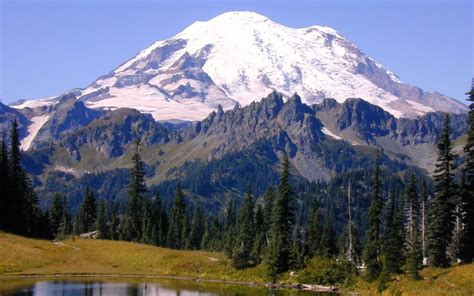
(160, 225)
(393, 242)
(414, 255)
(16, 183)
(185, 231)
(65, 224)
(328, 239)
(87, 212)
(441, 220)
(197, 229)
(279, 249)
(260, 241)
(314, 229)
(230, 229)
(56, 214)
(268, 199)
(466, 253)
(423, 222)
(242, 253)
(114, 223)
(298, 252)
(371, 255)
(4, 181)
(148, 222)
(136, 191)
(178, 220)
(101, 222)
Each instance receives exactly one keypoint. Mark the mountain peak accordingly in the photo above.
(239, 57)
(239, 16)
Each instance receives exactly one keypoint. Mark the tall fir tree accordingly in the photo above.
(314, 229)
(268, 199)
(114, 226)
(328, 246)
(161, 222)
(466, 253)
(136, 191)
(260, 241)
(283, 219)
(87, 213)
(197, 229)
(56, 214)
(424, 217)
(371, 254)
(243, 245)
(393, 240)
(101, 222)
(177, 221)
(4, 181)
(65, 224)
(441, 214)
(230, 229)
(414, 256)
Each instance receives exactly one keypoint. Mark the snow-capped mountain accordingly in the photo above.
(239, 57)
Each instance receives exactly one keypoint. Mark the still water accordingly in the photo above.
(135, 287)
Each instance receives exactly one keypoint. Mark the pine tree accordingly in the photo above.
(4, 181)
(328, 238)
(242, 253)
(441, 216)
(178, 219)
(114, 223)
(65, 224)
(185, 231)
(314, 229)
(87, 212)
(56, 214)
(298, 252)
(260, 241)
(197, 229)
(268, 199)
(371, 255)
(136, 191)
(414, 255)
(147, 222)
(16, 180)
(393, 242)
(160, 222)
(230, 229)
(466, 253)
(423, 222)
(279, 249)
(101, 223)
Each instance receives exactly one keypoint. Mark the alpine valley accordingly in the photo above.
(225, 99)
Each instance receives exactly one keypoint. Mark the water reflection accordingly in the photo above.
(57, 288)
(131, 287)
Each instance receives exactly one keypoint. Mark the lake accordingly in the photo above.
(135, 287)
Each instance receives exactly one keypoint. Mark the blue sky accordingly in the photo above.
(48, 47)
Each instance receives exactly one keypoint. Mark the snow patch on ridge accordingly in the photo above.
(329, 133)
(36, 123)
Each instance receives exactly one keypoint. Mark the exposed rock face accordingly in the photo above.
(67, 116)
(111, 133)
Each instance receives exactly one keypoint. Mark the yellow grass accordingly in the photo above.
(22, 256)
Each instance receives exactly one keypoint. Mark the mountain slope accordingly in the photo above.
(239, 57)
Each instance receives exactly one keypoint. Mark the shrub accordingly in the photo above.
(324, 271)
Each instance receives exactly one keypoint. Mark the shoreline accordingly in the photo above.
(303, 287)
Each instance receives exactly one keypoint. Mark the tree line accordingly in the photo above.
(404, 230)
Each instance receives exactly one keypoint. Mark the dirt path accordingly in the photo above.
(61, 244)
